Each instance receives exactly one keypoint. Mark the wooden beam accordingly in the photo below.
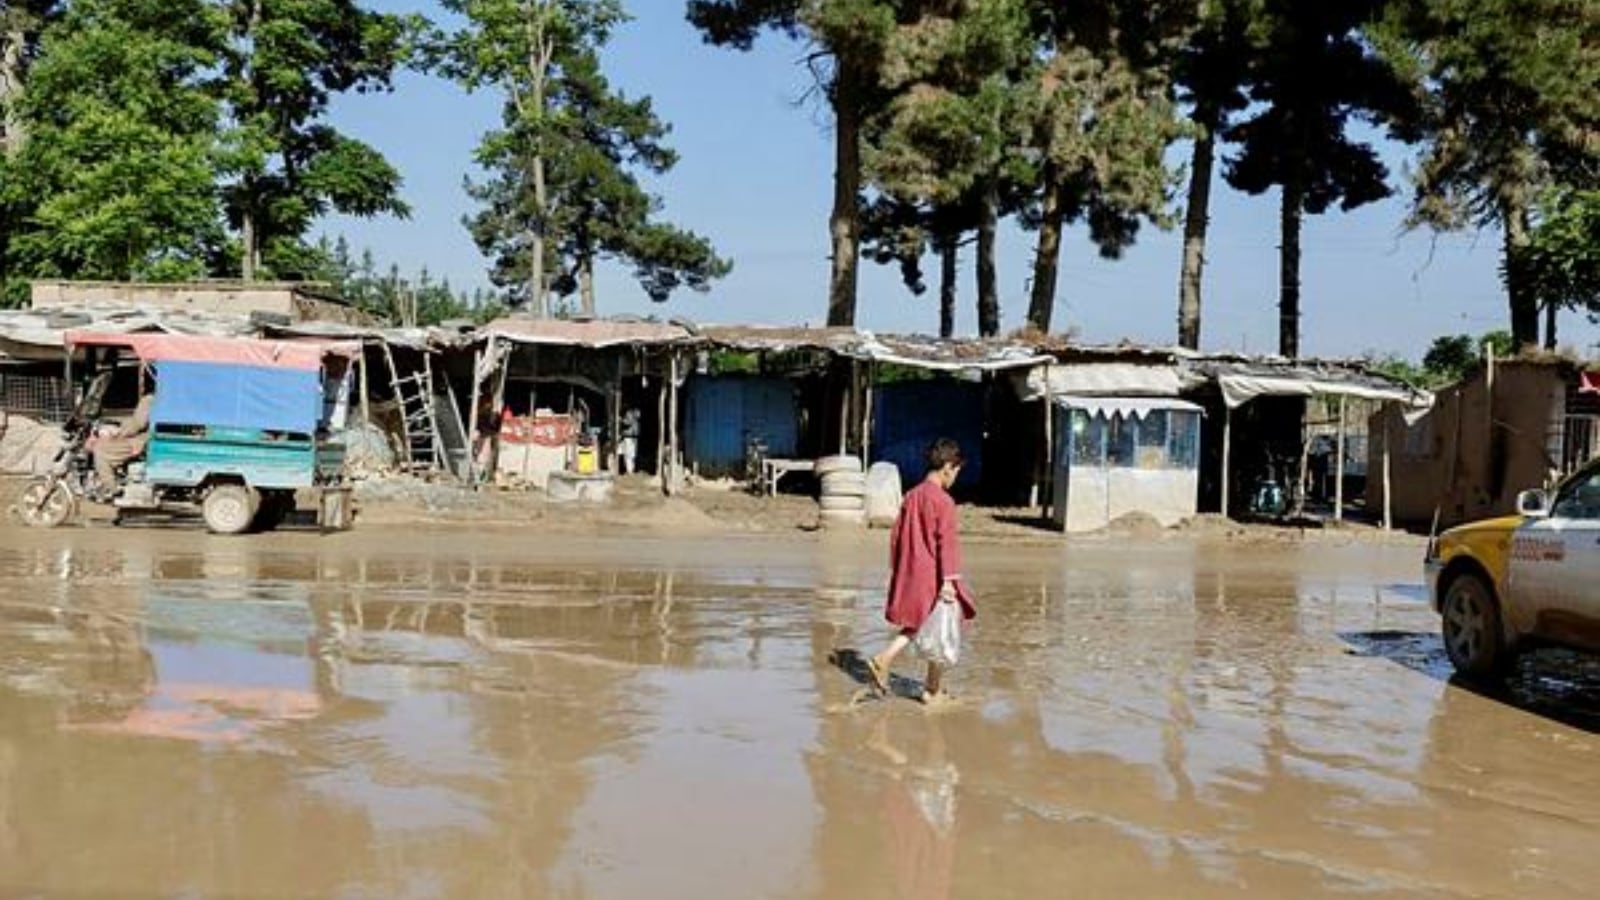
(1338, 466)
(472, 416)
(1388, 506)
(866, 416)
(672, 437)
(1227, 453)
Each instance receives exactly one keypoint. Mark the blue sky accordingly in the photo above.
(756, 174)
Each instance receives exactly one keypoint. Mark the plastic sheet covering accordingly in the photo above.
(1100, 379)
(304, 355)
(229, 396)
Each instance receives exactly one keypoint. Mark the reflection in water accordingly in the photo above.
(493, 717)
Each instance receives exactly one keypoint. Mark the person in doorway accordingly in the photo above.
(124, 445)
(925, 564)
(628, 441)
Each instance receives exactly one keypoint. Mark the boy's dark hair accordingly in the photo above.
(943, 452)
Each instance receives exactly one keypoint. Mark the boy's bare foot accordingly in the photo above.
(880, 675)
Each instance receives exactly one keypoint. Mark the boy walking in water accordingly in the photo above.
(925, 564)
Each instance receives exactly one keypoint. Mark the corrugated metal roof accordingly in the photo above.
(594, 333)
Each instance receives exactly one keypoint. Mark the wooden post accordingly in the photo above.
(1338, 466)
(1047, 487)
(866, 417)
(844, 411)
(614, 459)
(472, 416)
(1388, 508)
(661, 435)
(366, 388)
(1227, 453)
(672, 437)
(497, 405)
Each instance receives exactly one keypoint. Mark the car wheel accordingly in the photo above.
(1473, 636)
(229, 508)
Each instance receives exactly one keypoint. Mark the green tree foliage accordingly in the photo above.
(1450, 358)
(1511, 95)
(284, 60)
(117, 176)
(849, 38)
(1102, 115)
(1560, 263)
(999, 107)
(1316, 72)
(418, 300)
(944, 148)
(562, 191)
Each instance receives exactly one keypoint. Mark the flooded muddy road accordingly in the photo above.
(404, 713)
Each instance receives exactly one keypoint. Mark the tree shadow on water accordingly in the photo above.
(1558, 685)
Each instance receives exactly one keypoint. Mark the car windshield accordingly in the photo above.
(1581, 498)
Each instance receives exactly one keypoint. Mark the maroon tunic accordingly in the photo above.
(924, 550)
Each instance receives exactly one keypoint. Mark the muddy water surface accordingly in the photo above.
(404, 713)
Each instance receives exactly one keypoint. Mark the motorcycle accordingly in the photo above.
(1269, 498)
(53, 498)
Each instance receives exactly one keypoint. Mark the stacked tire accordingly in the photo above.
(844, 492)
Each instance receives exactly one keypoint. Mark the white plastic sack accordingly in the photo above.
(939, 639)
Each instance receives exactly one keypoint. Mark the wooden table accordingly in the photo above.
(773, 469)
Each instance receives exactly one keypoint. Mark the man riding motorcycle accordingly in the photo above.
(124, 445)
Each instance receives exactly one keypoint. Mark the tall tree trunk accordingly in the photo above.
(586, 285)
(1047, 256)
(844, 224)
(988, 283)
(538, 292)
(12, 132)
(249, 233)
(1550, 310)
(251, 242)
(1197, 219)
(1524, 307)
(947, 285)
(1291, 215)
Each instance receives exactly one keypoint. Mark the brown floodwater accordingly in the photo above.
(413, 713)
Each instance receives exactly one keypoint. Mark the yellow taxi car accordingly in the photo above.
(1502, 586)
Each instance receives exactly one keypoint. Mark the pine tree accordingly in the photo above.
(562, 192)
(849, 37)
(1212, 72)
(1512, 110)
(1103, 114)
(1316, 72)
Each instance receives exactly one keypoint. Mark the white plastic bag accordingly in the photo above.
(939, 639)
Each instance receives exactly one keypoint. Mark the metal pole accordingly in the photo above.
(1227, 453)
(1338, 475)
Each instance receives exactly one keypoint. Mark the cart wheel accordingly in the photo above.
(46, 503)
(229, 508)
